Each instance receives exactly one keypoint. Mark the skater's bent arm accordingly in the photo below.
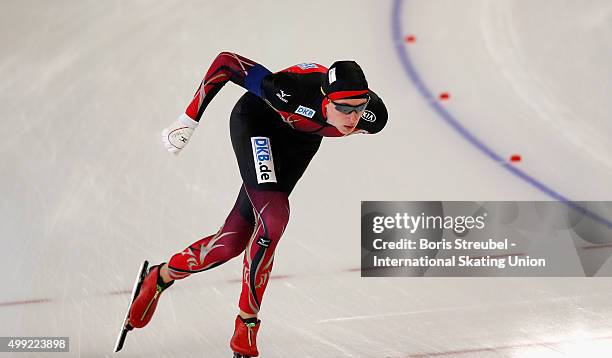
(226, 67)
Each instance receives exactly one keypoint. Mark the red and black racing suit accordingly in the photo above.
(276, 128)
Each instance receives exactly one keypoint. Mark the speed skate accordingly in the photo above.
(126, 327)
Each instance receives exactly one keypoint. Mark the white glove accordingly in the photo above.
(176, 136)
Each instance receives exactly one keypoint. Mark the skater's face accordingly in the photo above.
(345, 123)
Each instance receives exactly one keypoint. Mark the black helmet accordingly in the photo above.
(345, 79)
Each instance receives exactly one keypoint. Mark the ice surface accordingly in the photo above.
(88, 191)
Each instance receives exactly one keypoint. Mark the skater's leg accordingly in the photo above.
(271, 216)
(212, 251)
(205, 254)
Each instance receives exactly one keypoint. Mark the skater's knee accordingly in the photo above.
(274, 220)
(234, 249)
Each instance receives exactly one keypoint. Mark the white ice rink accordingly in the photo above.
(88, 190)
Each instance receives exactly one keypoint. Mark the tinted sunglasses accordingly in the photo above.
(348, 109)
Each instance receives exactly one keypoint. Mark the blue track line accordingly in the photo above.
(432, 100)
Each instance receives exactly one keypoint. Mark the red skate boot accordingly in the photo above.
(244, 340)
(145, 294)
(146, 301)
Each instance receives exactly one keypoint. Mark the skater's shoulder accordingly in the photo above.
(287, 90)
(305, 68)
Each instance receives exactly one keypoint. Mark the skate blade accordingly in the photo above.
(125, 327)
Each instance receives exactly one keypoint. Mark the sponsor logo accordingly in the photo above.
(305, 111)
(281, 95)
(263, 241)
(264, 164)
(306, 66)
(368, 116)
(332, 75)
